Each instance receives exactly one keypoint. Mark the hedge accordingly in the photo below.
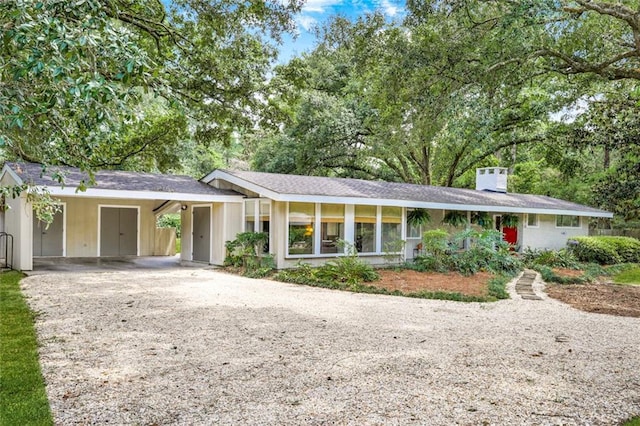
(605, 250)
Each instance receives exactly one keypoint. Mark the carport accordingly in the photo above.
(116, 216)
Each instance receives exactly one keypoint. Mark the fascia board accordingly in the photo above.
(438, 206)
(261, 190)
(6, 169)
(141, 195)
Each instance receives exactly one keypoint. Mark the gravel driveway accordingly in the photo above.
(202, 347)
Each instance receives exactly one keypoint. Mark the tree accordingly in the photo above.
(76, 76)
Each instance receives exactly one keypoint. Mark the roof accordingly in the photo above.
(326, 189)
(127, 184)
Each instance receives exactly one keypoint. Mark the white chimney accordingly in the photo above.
(491, 179)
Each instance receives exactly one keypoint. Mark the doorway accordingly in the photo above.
(49, 240)
(201, 236)
(118, 231)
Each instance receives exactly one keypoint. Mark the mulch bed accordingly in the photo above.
(410, 281)
(613, 299)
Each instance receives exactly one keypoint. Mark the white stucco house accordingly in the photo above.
(303, 215)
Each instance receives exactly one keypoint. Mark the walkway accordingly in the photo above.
(524, 285)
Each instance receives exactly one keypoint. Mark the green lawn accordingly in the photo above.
(178, 245)
(635, 421)
(22, 391)
(629, 276)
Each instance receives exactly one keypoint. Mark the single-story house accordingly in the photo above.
(304, 215)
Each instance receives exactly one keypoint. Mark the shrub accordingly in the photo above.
(170, 220)
(563, 258)
(247, 251)
(605, 250)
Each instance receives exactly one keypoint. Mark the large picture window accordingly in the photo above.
(391, 225)
(366, 218)
(332, 227)
(566, 221)
(301, 223)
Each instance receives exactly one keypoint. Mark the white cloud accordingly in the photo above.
(389, 8)
(307, 22)
(319, 6)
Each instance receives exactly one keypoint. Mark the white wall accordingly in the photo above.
(548, 236)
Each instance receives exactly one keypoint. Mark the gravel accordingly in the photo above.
(190, 347)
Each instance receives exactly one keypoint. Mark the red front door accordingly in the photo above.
(510, 235)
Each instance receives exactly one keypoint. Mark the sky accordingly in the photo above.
(316, 12)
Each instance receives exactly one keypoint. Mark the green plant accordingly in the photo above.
(553, 258)
(435, 242)
(22, 390)
(634, 421)
(394, 252)
(418, 217)
(605, 250)
(247, 251)
(509, 220)
(170, 220)
(482, 219)
(455, 218)
(628, 276)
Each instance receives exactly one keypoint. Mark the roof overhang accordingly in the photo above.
(141, 195)
(276, 196)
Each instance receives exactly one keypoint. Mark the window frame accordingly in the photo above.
(558, 216)
(537, 222)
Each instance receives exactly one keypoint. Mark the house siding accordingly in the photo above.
(548, 236)
(82, 224)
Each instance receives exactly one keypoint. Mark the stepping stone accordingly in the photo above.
(524, 286)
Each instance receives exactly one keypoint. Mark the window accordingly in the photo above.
(249, 215)
(301, 222)
(331, 226)
(264, 221)
(532, 220)
(391, 225)
(565, 221)
(366, 218)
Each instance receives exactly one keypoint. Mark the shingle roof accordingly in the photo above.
(364, 189)
(114, 180)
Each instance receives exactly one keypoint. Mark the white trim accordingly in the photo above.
(64, 228)
(12, 173)
(536, 226)
(193, 206)
(301, 198)
(260, 190)
(119, 206)
(141, 195)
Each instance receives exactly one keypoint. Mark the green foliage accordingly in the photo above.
(590, 273)
(628, 276)
(455, 218)
(563, 258)
(22, 389)
(418, 217)
(486, 252)
(394, 252)
(170, 220)
(510, 220)
(482, 219)
(605, 250)
(634, 421)
(247, 251)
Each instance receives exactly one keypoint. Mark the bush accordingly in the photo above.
(605, 250)
(247, 251)
(563, 258)
(170, 220)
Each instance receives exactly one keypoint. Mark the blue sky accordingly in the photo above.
(316, 12)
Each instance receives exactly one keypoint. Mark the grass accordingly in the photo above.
(22, 391)
(634, 421)
(629, 276)
(178, 245)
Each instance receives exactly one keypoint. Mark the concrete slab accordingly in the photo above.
(46, 265)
